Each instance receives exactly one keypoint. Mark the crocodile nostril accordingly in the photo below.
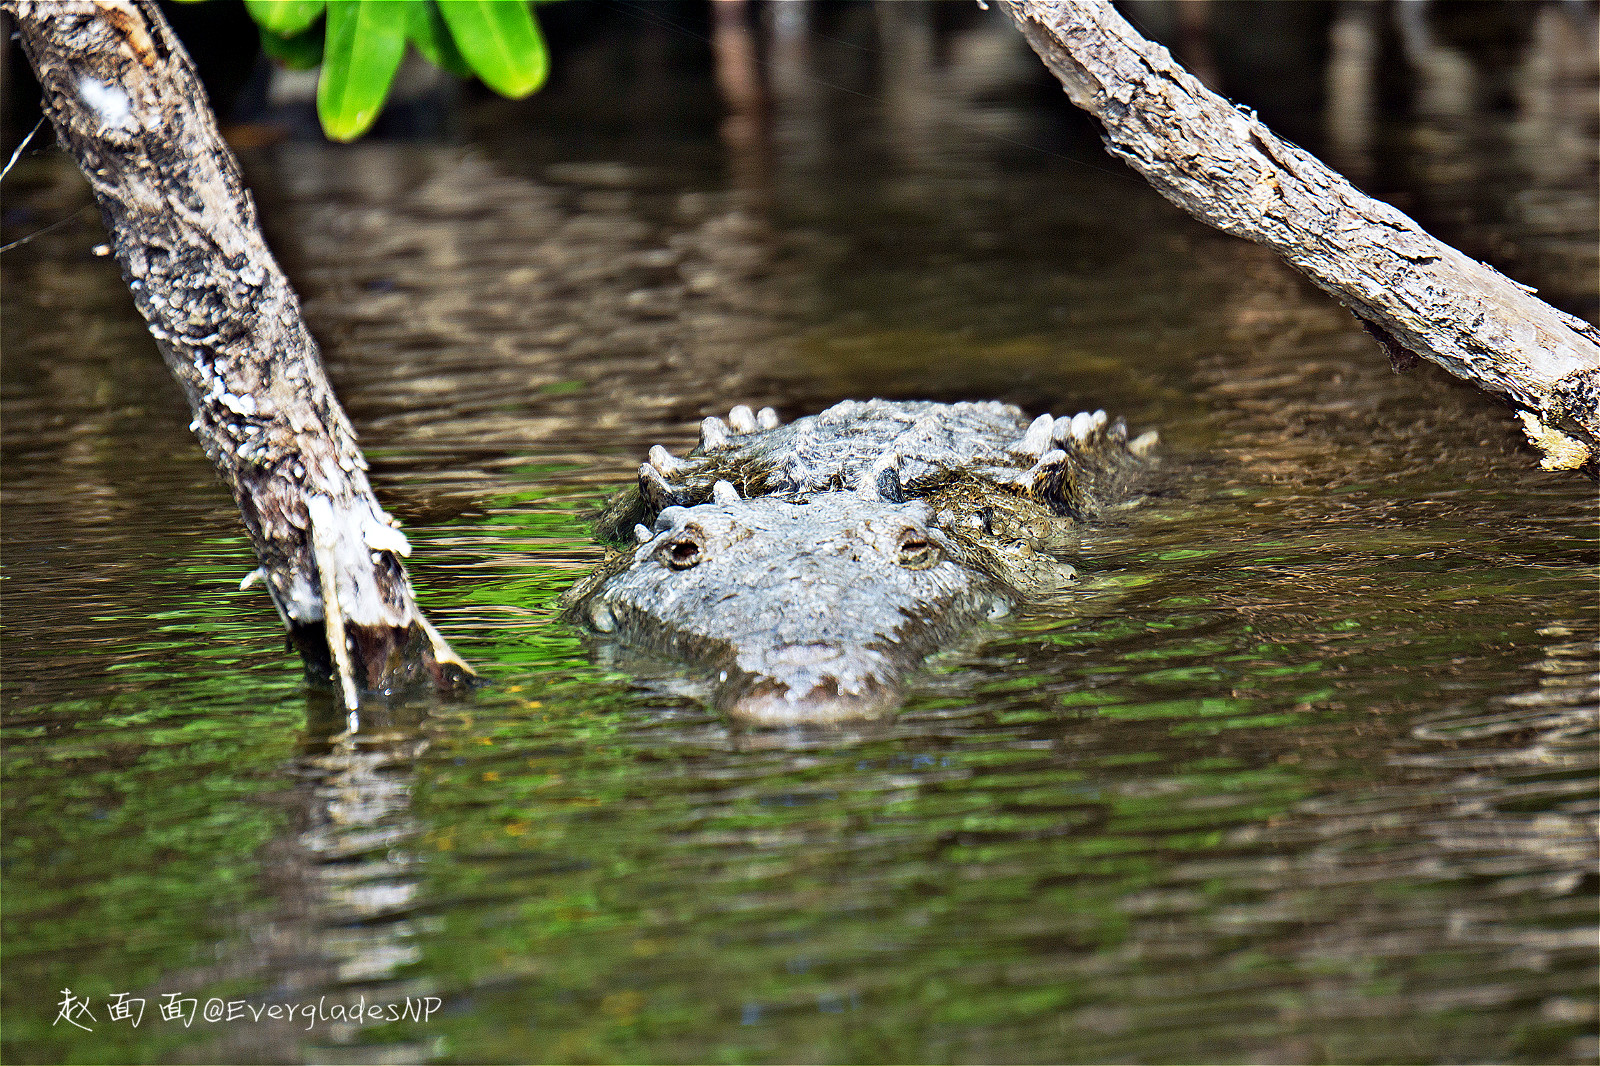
(681, 553)
(917, 552)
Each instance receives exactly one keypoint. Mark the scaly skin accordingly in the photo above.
(811, 566)
(1075, 467)
(808, 612)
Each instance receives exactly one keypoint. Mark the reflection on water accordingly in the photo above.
(1308, 775)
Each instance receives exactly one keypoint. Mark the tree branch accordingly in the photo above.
(1226, 168)
(125, 102)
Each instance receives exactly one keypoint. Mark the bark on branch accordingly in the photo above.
(1225, 167)
(125, 102)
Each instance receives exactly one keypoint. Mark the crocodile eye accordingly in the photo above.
(917, 552)
(682, 551)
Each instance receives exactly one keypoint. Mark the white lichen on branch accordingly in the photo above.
(1560, 451)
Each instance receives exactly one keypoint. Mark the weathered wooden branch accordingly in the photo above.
(126, 103)
(1225, 167)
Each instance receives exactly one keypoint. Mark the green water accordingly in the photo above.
(1307, 775)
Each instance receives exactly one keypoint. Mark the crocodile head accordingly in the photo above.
(805, 612)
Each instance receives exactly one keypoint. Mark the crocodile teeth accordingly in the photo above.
(1037, 439)
(1144, 443)
(654, 488)
(664, 461)
(742, 420)
(767, 418)
(642, 534)
(713, 435)
(724, 493)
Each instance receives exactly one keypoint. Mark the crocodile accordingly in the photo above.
(809, 567)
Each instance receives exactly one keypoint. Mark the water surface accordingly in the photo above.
(1306, 775)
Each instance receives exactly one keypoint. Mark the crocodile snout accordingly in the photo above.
(808, 684)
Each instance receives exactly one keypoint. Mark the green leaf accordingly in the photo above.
(300, 52)
(432, 38)
(365, 41)
(501, 42)
(286, 18)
